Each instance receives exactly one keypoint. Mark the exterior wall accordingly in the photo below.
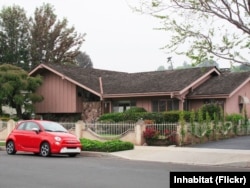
(232, 103)
(144, 103)
(195, 104)
(59, 95)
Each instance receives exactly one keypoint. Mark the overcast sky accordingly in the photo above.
(116, 37)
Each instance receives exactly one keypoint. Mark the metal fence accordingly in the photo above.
(111, 129)
(68, 125)
(164, 129)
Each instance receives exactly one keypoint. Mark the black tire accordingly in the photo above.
(45, 149)
(10, 148)
(72, 154)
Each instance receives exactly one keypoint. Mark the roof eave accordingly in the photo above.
(221, 96)
(124, 95)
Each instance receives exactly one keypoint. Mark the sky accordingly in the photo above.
(117, 38)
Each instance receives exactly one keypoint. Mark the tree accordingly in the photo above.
(18, 89)
(83, 60)
(161, 68)
(208, 63)
(51, 39)
(14, 36)
(202, 29)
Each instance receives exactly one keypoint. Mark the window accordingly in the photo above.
(165, 105)
(159, 105)
(121, 106)
(173, 105)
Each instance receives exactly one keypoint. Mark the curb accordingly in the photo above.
(94, 154)
(83, 153)
(2, 148)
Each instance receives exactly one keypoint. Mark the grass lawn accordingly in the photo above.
(2, 143)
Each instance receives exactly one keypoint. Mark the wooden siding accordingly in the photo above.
(59, 96)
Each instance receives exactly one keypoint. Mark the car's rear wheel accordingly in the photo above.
(45, 149)
(10, 147)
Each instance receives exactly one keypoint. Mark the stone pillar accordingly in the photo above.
(1, 124)
(78, 129)
(10, 126)
(139, 128)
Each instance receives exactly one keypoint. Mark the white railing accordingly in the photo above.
(68, 125)
(164, 129)
(111, 129)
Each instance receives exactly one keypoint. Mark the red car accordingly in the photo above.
(42, 137)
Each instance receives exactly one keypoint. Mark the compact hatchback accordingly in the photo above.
(42, 138)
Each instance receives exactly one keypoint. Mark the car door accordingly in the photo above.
(20, 136)
(32, 137)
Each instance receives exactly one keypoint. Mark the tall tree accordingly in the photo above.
(17, 88)
(202, 29)
(51, 39)
(14, 36)
(83, 60)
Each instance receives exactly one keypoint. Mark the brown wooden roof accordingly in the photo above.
(117, 83)
(223, 84)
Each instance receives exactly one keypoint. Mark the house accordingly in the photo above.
(69, 90)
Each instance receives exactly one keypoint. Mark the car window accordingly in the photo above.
(53, 127)
(31, 125)
(21, 126)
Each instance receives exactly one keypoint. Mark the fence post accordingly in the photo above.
(139, 128)
(10, 126)
(78, 129)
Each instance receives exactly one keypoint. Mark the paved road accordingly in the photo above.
(30, 171)
(237, 143)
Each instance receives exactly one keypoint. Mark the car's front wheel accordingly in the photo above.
(10, 147)
(45, 149)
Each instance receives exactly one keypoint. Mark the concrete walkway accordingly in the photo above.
(184, 155)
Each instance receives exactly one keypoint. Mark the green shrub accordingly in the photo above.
(134, 116)
(107, 146)
(211, 109)
(234, 118)
(135, 110)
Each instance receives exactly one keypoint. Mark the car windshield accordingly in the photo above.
(53, 127)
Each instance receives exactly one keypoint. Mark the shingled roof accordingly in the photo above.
(223, 84)
(117, 83)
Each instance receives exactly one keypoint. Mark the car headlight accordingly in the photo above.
(57, 138)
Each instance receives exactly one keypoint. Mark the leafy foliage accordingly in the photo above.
(107, 146)
(59, 43)
(203, 29)
(26, 42)
(83, 60)
(17, 88)
(14, 36)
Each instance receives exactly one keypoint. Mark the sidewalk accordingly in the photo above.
(185, 155)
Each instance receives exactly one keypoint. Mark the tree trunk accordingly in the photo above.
(19, 111)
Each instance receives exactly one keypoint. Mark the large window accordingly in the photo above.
(162, 105)
(121, 106)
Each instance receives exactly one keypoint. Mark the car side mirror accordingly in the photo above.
(36, 130)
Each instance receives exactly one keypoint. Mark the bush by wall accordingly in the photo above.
(157, 117)
(108, 146)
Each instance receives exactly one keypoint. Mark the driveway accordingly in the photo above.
(237, 143)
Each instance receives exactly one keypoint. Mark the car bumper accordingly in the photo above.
(64, 149)
(70, 150)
